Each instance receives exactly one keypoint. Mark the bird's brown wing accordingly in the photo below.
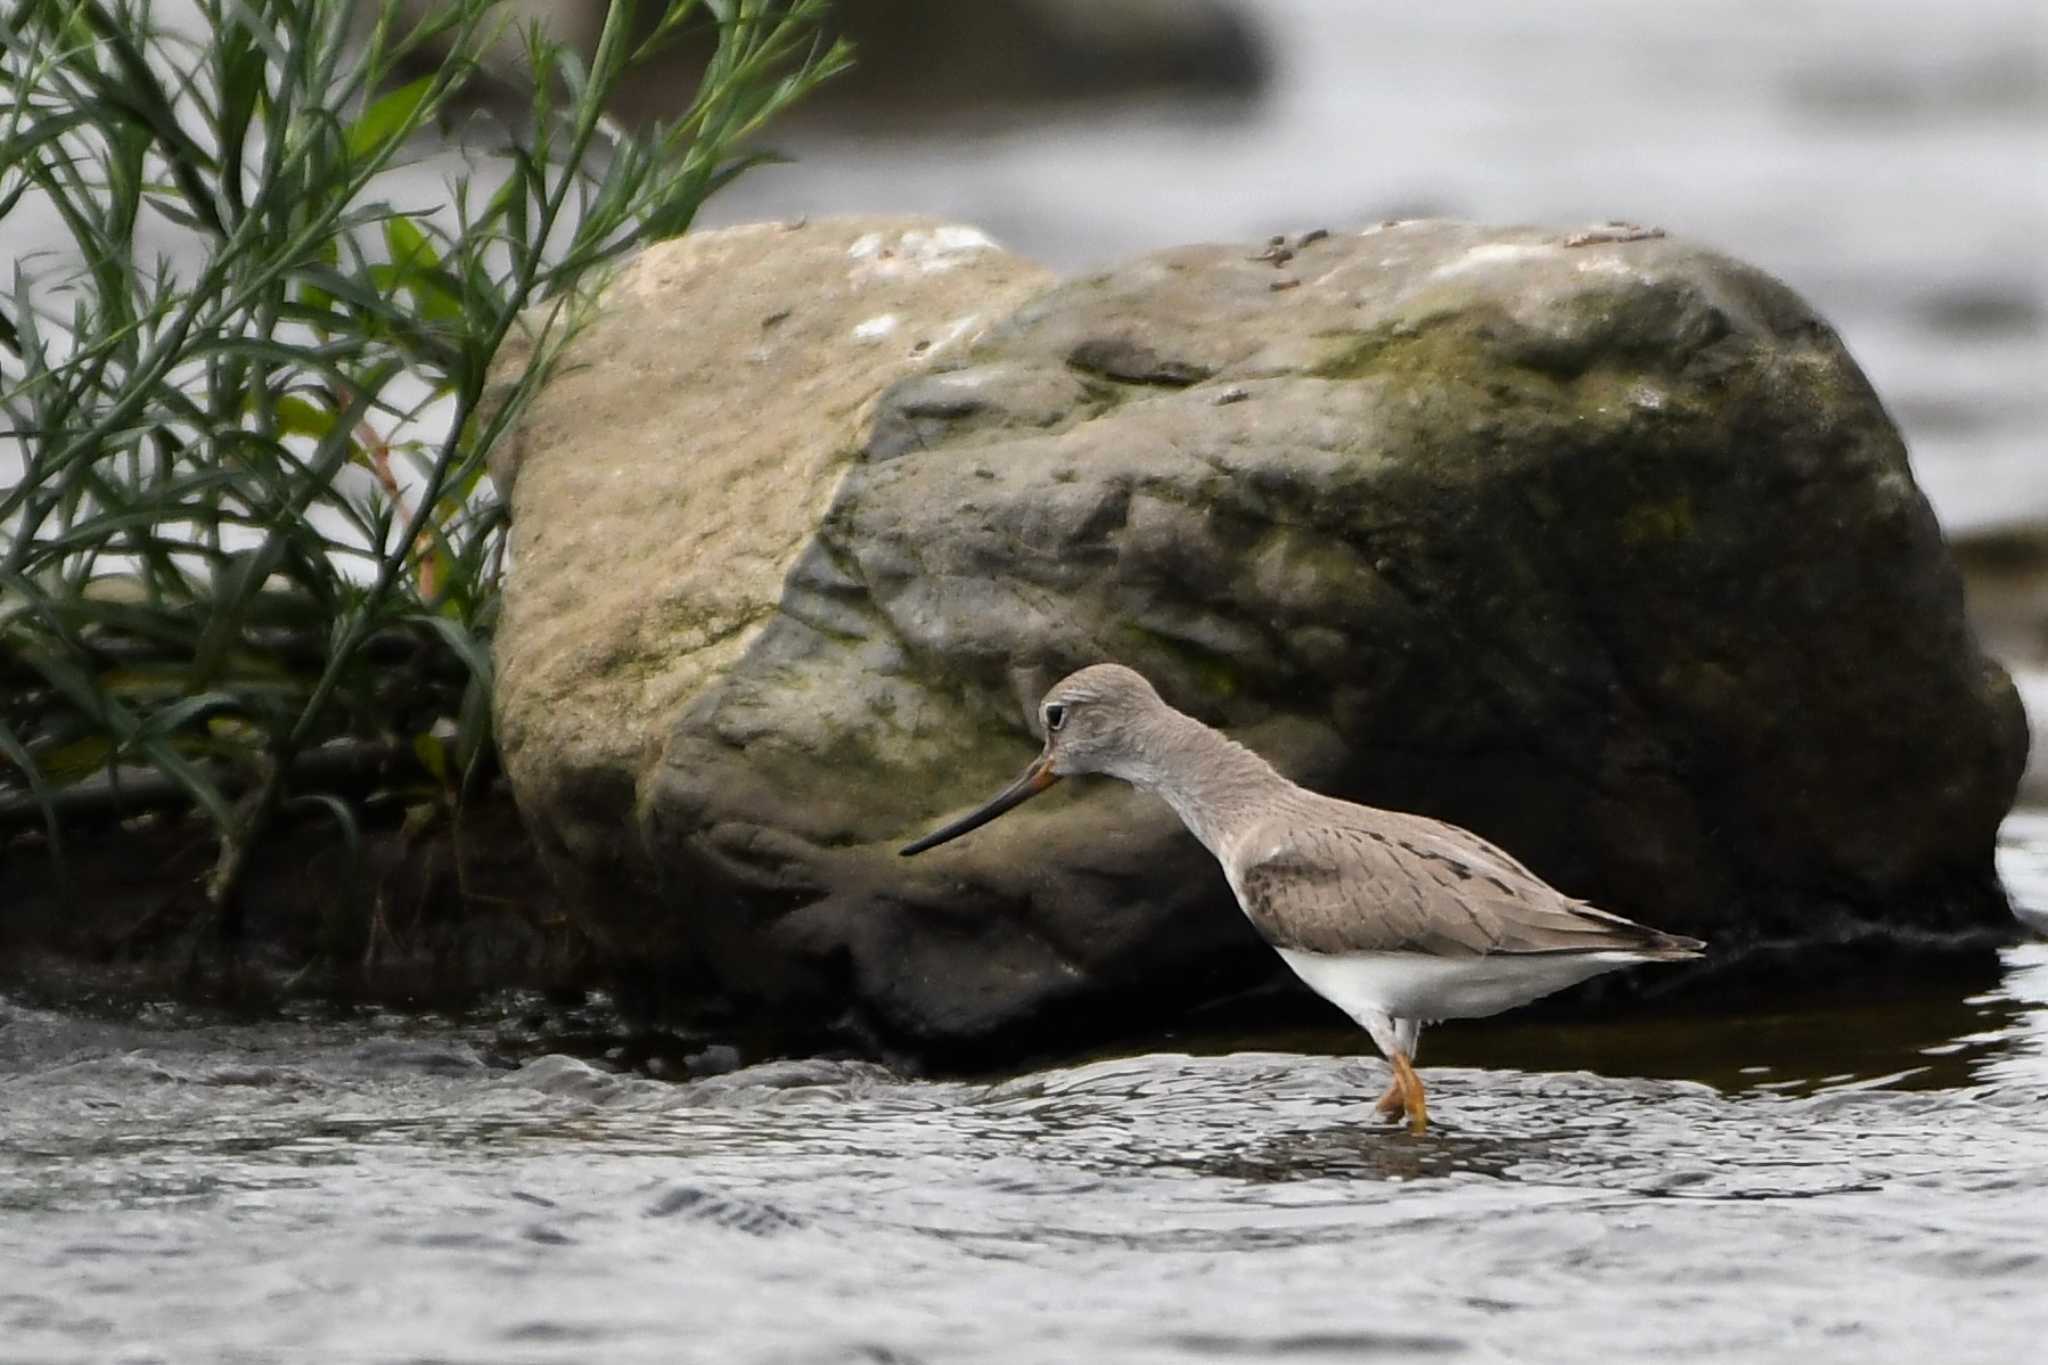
(1410, 885)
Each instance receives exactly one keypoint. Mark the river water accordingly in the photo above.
(1861, 1180)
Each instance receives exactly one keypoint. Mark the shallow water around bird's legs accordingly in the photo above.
(1868, 1181)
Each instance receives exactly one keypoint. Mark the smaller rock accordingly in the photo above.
(814, 1077)
(557, 1074)
(716, 1060)
(1613, 230)
(404, 1054)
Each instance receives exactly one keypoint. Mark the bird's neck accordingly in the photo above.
(1212, 782)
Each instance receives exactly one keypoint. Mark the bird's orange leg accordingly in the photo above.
(1393, 1102)
(1410, 1086)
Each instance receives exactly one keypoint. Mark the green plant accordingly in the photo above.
(250, 562)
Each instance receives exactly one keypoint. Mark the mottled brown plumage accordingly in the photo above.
(1333, 877)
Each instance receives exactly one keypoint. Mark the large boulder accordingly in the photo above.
(1597, 543)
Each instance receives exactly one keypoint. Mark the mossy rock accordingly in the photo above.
(1607, 551)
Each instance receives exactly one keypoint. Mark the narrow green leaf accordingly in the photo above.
(297, 417)
(171, 718)
(17, 753)
(351, 832)
(78, 759)
(409, 247)
(203, 790)
(465, 646)
(473, 728)
(390, 116)
(419, 270)
(433, 756)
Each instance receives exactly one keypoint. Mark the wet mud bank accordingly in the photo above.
(406, 913)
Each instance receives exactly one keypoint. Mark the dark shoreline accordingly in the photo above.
(491, 947)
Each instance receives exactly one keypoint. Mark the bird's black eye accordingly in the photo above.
(1055, 716)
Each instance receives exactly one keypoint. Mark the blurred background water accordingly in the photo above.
(1888, 158)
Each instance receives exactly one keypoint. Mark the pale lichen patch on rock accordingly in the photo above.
(917, 251)
(1492, 255)
(877, 327)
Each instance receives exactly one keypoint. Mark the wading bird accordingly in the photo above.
(1396, 919)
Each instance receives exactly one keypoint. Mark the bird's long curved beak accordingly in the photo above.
(1036, 779)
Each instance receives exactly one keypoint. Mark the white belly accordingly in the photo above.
(1419, 986)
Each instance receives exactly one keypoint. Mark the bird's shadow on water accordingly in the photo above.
(1272, 1118)
(1367, 1150)
(1679, 1146)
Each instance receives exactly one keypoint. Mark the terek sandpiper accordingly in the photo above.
(1397, 919)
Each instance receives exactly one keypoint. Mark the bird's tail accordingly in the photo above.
(1658, 946)
(1640, 940)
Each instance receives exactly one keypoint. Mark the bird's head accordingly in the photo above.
(1090, 719)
